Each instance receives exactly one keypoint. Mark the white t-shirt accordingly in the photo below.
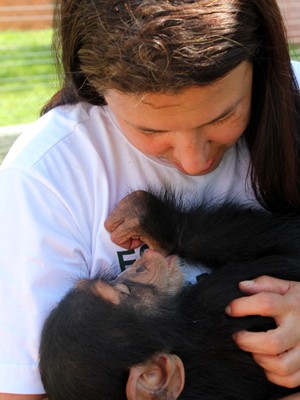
(58, 184)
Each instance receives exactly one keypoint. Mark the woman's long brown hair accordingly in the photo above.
(138, 46)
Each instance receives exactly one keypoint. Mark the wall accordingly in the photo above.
(291, 13)
(25, 14)
(37, 14)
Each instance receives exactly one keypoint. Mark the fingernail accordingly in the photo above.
(228, 310)
(247, 283)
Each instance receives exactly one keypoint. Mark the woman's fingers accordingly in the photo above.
(277, 350)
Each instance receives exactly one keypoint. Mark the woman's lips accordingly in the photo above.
(209, 163)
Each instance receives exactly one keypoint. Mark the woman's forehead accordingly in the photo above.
(148, 110)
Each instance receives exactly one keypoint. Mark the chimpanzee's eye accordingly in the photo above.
(122, 288)
(140, 268)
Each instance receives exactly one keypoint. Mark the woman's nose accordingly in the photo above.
(192, 154)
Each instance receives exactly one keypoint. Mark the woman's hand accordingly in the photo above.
(278, 350)
(295, 396)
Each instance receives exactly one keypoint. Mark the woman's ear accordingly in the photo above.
(162, 377)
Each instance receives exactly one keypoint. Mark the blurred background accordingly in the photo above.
(27, 72)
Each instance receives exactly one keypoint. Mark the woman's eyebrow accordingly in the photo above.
(224, 114)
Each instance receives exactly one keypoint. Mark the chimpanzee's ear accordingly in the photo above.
(160, 378)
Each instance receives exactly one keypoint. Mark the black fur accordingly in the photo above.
(88, 344)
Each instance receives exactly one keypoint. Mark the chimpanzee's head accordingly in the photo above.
(109, 340)
(144, 283)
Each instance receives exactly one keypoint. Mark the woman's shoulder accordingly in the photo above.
(296, 69)
(64, 129)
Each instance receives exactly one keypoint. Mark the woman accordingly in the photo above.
(195, 93)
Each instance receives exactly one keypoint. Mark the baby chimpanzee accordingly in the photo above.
(147, 335)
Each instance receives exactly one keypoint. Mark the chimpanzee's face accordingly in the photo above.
(154, 269)
(150, 276)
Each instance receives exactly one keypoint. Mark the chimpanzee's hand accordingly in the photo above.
(124, 223)
(278, 350)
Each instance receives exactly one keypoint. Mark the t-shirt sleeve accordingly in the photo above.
(296, 69)
(42, 254)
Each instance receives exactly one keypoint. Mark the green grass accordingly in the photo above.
(27, 75)
(5, 143)
(295, 52)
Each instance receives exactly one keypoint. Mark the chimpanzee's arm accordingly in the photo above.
(228, 232)
(211, 234)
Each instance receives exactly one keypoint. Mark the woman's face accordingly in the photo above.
(191, 129)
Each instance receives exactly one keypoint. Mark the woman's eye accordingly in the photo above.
(150, 132)
(140, 268)
(223, 120)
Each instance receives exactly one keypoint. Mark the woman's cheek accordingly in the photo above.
(227, 135)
